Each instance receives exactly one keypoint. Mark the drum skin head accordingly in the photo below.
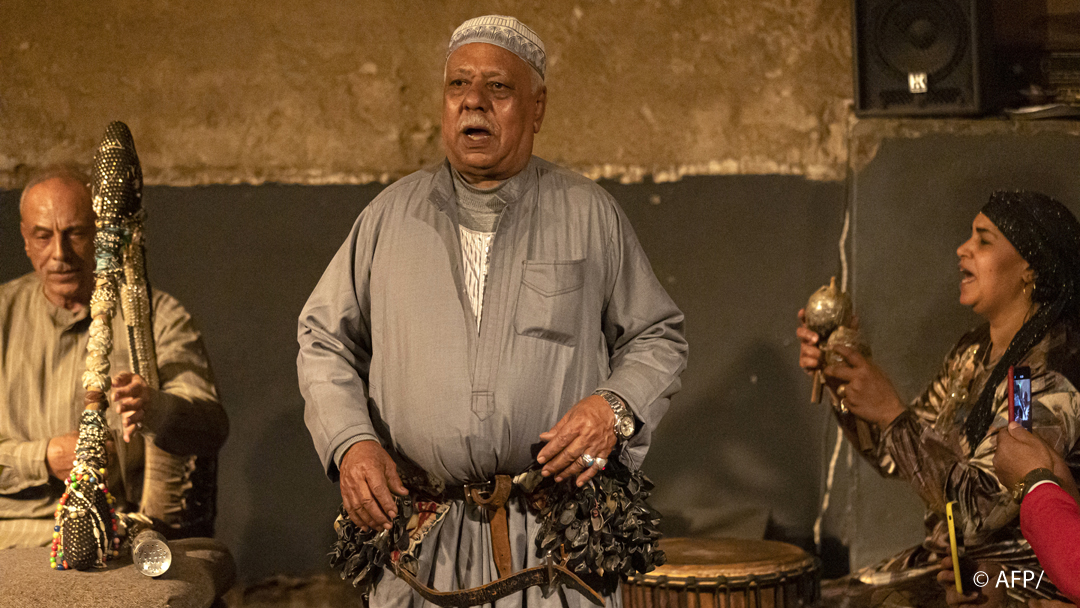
(730, 557)
(727, 573)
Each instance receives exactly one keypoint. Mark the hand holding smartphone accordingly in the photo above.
(1019, 383)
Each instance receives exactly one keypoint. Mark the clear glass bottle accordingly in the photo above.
(151, 553)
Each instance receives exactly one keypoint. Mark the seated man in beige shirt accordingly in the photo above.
(174, 431)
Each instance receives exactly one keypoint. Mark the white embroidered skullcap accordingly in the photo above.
(507, 32)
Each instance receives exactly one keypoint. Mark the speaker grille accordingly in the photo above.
(921, 36)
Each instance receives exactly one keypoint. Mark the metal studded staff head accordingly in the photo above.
(117, 176)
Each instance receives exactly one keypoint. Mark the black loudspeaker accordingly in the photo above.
(922, 57)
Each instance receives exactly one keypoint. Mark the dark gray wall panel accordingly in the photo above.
(741, 443)
(739, 254)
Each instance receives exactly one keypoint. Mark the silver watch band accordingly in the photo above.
(624, 418)
(613, 400)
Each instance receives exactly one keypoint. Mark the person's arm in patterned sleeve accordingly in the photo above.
(867, 391)
(911, 423)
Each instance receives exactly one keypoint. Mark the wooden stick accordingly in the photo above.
(866, 440)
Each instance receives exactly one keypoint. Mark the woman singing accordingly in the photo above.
(1020, 272)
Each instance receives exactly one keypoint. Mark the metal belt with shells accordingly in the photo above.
(590, 538)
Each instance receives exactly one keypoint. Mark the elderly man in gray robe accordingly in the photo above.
(480, 307)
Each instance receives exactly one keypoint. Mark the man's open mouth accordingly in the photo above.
(476, 132)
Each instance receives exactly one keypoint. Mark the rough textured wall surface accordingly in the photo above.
(333, 91)
(868, 135)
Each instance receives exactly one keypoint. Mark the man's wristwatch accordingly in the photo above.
(624, 420)
(1020, 488)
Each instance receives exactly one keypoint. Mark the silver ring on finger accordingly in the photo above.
(841, 391)
(600, 463)
(587, 460)
(843, 406)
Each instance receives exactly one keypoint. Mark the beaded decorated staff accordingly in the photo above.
(85, 532)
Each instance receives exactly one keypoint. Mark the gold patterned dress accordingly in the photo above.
(926, 446)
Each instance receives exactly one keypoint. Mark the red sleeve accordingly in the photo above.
(1050, 521)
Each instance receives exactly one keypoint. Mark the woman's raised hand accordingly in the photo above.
(863, 388)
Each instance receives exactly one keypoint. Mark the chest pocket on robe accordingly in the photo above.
(550, 299)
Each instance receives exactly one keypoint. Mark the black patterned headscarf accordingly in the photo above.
(1047, 236)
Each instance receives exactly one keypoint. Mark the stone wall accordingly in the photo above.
(331, 91)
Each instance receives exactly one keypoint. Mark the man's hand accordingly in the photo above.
(60, 454)
(1020, 452)
(864, 388)
(131, 395)
(588, 428)
(368, 475)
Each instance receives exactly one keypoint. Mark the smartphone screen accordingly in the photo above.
(1020, 391)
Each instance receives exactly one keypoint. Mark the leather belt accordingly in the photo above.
(493, 502)
(464, 491)
(547, 577)
(491, 497)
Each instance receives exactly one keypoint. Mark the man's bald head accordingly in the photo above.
(52, 172)
(57, 225)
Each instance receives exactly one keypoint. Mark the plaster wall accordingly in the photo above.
(335, 92)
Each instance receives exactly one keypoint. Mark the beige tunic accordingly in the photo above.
(42, 358)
